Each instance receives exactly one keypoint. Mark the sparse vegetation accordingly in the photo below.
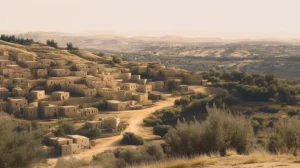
(120, 158)
(130, 138)
(52, 43)
(14, 39)
(220, 131)
(20, 146)
(161, 130)
(285, 137)
(70, 47)
(64, 129)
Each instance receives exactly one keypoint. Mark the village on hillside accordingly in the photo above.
(39, 82)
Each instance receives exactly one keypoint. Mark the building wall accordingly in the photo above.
(60, 95)
(68, 111)
(51, 111)
(79, 73)
(15, 105)
(144, 88)
(70, 149)
(80, 140)
(89, 111)
(38, 95)
(129, 86)
(30, 112)
(42, 73)
(141, 97)
(60, 72)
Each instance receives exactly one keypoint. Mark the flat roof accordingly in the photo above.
(113, 101)
(76, 136)
(60, 92)
(67, 106)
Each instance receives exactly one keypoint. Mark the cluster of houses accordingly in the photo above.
(72, 144)
(42, 85)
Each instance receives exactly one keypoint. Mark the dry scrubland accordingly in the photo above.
(78, 109)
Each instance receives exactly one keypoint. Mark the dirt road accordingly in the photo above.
(135, 121)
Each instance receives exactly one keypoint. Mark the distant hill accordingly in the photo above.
(173, 45)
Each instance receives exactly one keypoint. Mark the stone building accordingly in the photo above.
(88, 92)
(116, 105)
(4, 93)
(19, 92)
(68, 111)
(64, 83)
(20, 82)
(129, 86)
(125, 76)
(144, 88)
(42, 73)
(30, 112)
(157, 85)
(80, 140)
(16, 104)
(30, 64)
(79, 73)
(81, 67)
(60, 95)
(70, 149)
(110, 123)
(89, 111)
(140, 97)
(60, 140)
(135, 78)
(38, 94)
(50, 111)
(60, 72)
(19, 73)
(4, 63)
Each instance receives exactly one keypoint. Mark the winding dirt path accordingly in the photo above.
(135, 121)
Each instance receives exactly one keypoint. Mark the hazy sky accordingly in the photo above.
(213, 18)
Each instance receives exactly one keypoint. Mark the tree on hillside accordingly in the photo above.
(117, 60)
(101, 54)
(52, 43)
(20, 145)
(71, 47)
(18, 40)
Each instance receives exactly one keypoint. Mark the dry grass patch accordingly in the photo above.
(182, 162)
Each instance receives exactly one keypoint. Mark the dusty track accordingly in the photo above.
(135, 121)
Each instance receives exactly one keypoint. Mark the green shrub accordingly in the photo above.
(19, 148)
(94, 132)
(221, 130)
(64, 128)
(130, 138)
(293, 113)
(152, 121)
(286, 136)
(52, 43)
(198, 96)
(120, 158)
(100, 105)
(161, 130)
(267, 109)
(182, 102)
